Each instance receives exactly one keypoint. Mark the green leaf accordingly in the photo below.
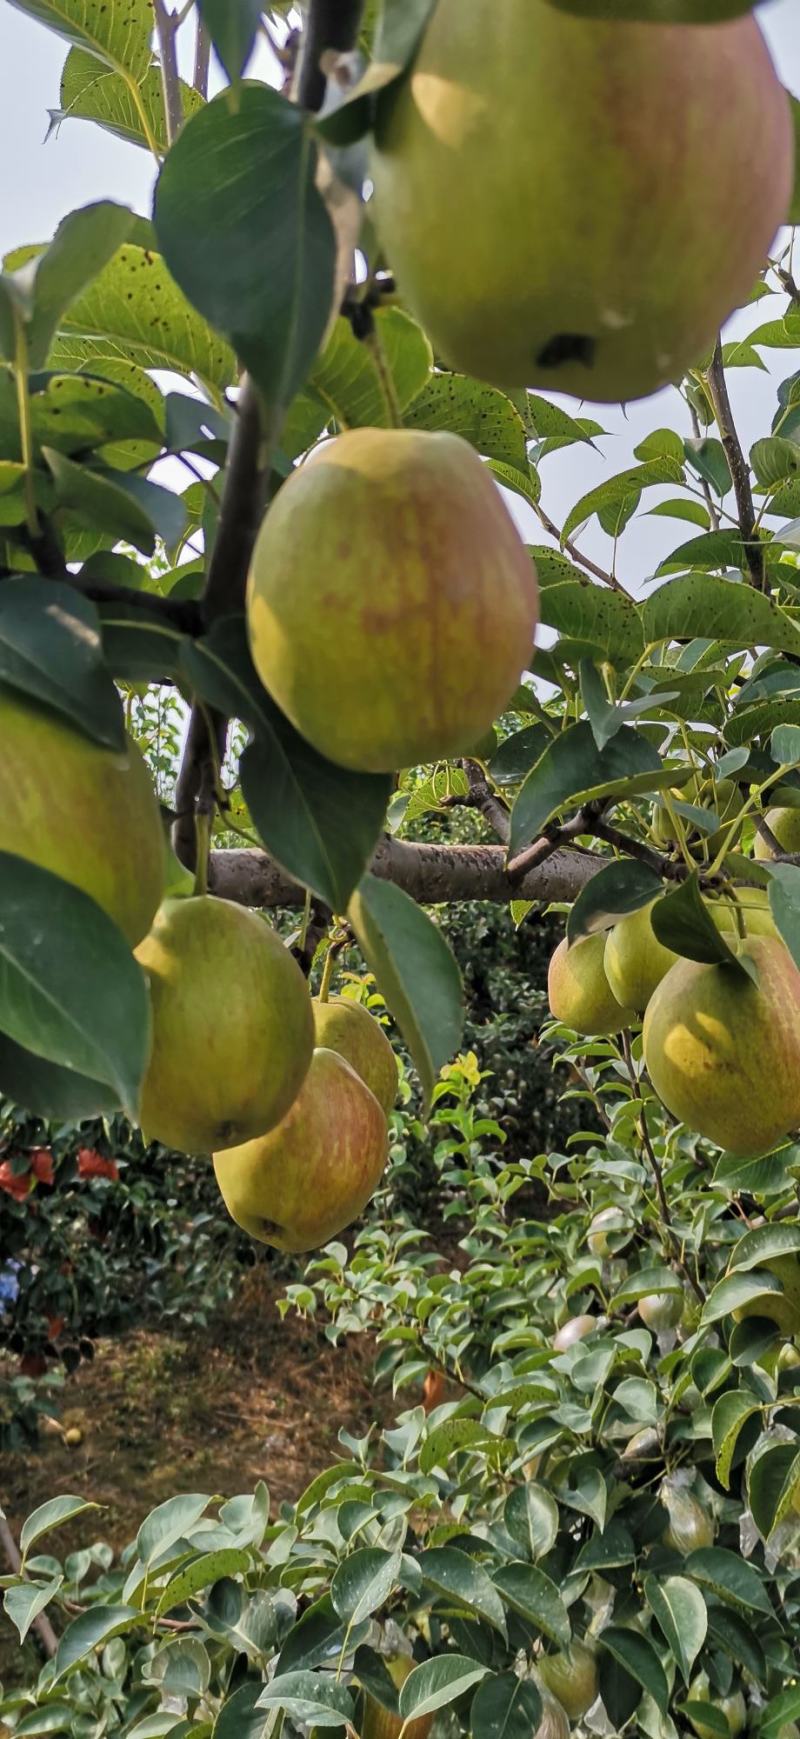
(737, 1637)
(57, 274)
(638, 1658)
(773, 1486)
(618, 496)
(455, 1575)
(643, 1283)
(682, 921)
(763, 1244)
(531, 1518)
(729, 1577)
(505, 1707)
(52, 1514)
(346, 380)
(211, 1567)
(784, 900)
(239, 185)
(309, 1698)
(449, 1438)
(23, 1602)
(639, 1399)
(779, 1713)
(320, 822)
(92, 1630)
(167, 1523)
(716, 549)
(730, 1413)
(625, 886)
(117, 32)
(774, 459)
(77, 412)
(131, 109)
(572, 770)
(240, 1716)
(480, 414)
(708, 606)
(415, 971)
(49, 1718)
(436, 1683)
(49, 1091)
(688, 510)
(594, 615)
(50, 648)
(232, 26)
(681, 1613)
(134, 313)
(101, 501)
(532, 1594)
(735, 1292)
(363, 1582)
(706, 455)
(523, 483)
(70, 989)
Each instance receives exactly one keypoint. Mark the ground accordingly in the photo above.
(212, 1410)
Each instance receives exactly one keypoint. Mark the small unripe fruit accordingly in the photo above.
(579, 993)
(732, 1707)
(661, 1311)
(576, 1328)
(571, 1677)
(690, 1526)
(608, 1233)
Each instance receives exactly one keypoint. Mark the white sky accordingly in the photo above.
(44, 181)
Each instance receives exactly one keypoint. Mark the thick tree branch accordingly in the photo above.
(331, 26)
(431, 874)
(720, 398)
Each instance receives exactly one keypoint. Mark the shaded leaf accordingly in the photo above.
(415, 970)
(50, 648)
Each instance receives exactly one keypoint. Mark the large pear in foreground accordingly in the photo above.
(342, 1025)
(723, 1053)
(391, 603)
(85, 813)
(306, 1180)
(568, 203)
(578, 991)
(233, 1030)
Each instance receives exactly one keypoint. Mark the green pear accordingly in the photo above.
(782, 1307)
(748, 906)
(785, 824)
(723, 1053)
(661, 1311)
(574, 1329)
(304, 1182)
(342, 1025)
(378, 1722)
(690, 1526)
(233, 1030)
(723, 797)
(564, 201)
(579, 993)
(733, 1708)
(635, 961)
(391, 602)
(609, 1232)
(86, 813)
(571, 1677)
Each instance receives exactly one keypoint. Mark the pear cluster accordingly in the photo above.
(722, 1048)
(290, 1095)
(566, 202)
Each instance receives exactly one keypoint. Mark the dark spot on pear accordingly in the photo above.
(567, 347)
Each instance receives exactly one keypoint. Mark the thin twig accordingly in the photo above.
(765, 832)
(713, 511)
(202, 58)
(483, 798)
(658, 1177)
(739, 470)
(332, 27)
(577, 554)
(166, 31)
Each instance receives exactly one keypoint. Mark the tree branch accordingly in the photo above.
(576, 554)
(166, 31)
(202, 58)
(42, 1626)
(720, 398)
(431, 874)
(713, 511)
(332, 26)
(483, 798)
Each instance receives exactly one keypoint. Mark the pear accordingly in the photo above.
(571, 1677)
(579, 993)
(634, 959)
(785, 824)
(347, 1027)
(574, 1329)
(381, 1723)
(722, 797)
(732, 1708)
(302, 1183)
(563, 200)
(723, 1053)
(609, 1233)
(233, 1030)
(661, 1311)
(391, 601)
(781, 1307)
(84, 812)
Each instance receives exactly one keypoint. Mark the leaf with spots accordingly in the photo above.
(479, 414)
(115, 31)
(133, 111)
(711, 608)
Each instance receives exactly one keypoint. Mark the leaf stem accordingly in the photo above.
(25, 429)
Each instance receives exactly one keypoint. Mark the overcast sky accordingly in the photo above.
(43, 181)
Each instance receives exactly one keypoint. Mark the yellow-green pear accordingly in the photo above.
(690, 1526)
(86, 813)
(578, 991)
(661, 1311)
(723, 1053)
(342, 1025)
(391, 602)
(747, 906)
(722, 797)
(565, 202)
(233, 1030)
(609, 1232)
(305, 1181)
(574, 1329)
(781, 1307)
(785, 824)
(571, 1677)
(635, 961)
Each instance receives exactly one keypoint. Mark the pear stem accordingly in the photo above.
(327, 972)
(202, 824)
